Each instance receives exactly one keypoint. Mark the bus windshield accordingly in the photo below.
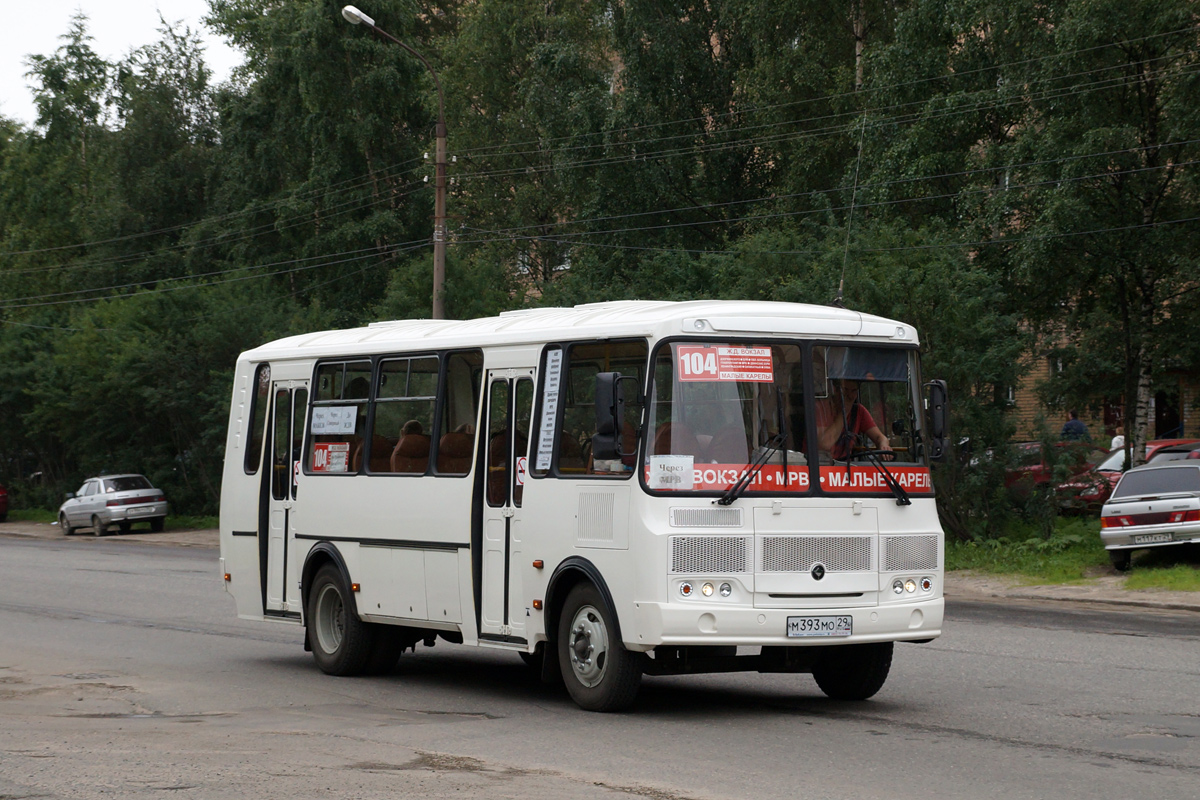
(716, 408)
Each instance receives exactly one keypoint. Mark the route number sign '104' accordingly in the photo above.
(751, 364)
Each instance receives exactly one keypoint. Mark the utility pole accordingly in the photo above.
(356, 17)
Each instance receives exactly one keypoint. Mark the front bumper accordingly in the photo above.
(689, 624)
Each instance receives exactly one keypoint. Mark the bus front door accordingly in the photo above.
(289, 402)
(509, 408)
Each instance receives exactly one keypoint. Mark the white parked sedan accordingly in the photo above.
(113, 500)
(1154, 505)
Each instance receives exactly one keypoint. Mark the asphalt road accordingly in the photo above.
(125, 674)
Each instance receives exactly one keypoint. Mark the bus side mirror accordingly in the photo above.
(939, 420)
(610, 415)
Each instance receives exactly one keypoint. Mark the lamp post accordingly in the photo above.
(356, 17)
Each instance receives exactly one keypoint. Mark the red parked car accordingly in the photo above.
(1032, 470)
(1089, 490)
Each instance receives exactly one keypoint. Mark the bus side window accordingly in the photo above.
(459, 410)
(577, 402)
(401, 440)
(260, 391)
(339, 417)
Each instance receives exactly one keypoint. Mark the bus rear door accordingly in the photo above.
(288, 408)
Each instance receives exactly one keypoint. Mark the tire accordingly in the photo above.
(99, 528)
(600, 674)
(340, 641)
(1121, 559)
(156, 524)
(387, 644)
(853, 671)
(64, 525)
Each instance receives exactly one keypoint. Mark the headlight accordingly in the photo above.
(706, 590)
(725, 590)
(910, 585)
(898, 586)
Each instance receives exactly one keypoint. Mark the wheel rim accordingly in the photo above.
(330, 620)
(588, 646)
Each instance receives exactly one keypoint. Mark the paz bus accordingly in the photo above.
(610, 491)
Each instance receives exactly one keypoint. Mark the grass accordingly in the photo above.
(32, 515)
(180, 522)
(1175, 568)
(1073, 554)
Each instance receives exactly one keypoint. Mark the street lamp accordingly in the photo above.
(356, 17)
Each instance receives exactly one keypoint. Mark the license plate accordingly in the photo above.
(820, 626)
(1151, 538)
(141, 510)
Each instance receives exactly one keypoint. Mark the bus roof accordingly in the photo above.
(616, 319)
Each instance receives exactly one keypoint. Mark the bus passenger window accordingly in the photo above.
(339, 416)
(404, 405)
(460, 409)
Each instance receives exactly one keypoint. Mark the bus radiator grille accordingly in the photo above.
(910, 552)
(706, 518)
(710, 554)
(799, 553)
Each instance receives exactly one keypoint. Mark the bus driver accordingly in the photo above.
(840, 420)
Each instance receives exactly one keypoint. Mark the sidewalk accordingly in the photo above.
(1103, 590)
(965, 585)
(50, 530)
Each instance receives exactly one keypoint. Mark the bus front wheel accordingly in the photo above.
(340, 641)
(853, 671)
(600, 674)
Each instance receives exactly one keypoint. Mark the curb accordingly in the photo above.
(1104, 601)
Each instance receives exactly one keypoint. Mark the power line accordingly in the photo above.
(374, 252)
(857, 92)
(562, 237)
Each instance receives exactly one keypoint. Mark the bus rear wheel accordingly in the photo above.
(600, 674)
(340, 641)
(853, 671)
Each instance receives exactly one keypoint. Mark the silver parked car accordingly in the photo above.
(1152, 506)
(113, 500)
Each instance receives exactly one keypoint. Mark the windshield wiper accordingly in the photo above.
(735, 491)
(893, 484)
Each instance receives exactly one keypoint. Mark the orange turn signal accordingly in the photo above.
(537, 605)
(538, 564)
(228, 577)
(354, 587)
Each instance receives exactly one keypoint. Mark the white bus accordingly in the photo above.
(610, 490)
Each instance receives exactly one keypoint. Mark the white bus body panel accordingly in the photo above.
(613, 524)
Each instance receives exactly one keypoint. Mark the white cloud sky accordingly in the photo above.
(31, 27)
